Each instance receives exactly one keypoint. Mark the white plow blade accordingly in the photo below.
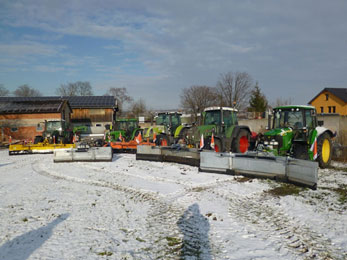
(283, 168)
(301, 171)
(95, 154)
(168, 154)
(215, 162)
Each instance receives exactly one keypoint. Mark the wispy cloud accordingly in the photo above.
(182, 43)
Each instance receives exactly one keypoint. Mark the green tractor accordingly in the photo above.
(296, 132)
(223, 124)
(55, 131)
(127, 128)
(167, 128)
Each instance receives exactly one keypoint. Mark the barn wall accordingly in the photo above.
(24, 126)
(94, 115)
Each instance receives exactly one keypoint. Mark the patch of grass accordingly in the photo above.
(173, 241)
(244, 179)
(340, 169)
(284, 190)
(342, 192)
(105, 253)
(140, 240)
(198, 189)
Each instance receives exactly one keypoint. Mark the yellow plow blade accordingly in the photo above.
(37, 148)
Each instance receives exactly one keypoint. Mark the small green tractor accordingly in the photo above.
(296, 132)
(55, 131)
(167, 128)
(125, 128)
(222, 123)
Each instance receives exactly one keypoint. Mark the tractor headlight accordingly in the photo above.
(266, 142)
(273, 143)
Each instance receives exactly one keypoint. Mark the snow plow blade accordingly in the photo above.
(127, 147)
(287, 169)
(177, 154)
(30, 148)
(94, 154)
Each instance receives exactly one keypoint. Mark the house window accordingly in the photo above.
(14, 129)
(329, 109)
(322, 110)
(334, 109)
(326, 96)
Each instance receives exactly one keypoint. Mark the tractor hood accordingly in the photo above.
(206, 130)
(279, 132)
(279, 139)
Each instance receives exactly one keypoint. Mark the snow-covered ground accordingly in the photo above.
(128, 209)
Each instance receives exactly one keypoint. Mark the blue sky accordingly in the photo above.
(293, 49)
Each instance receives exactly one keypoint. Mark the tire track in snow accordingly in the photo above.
(164, 239)
(271, 223)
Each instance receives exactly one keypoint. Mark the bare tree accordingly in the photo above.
(121, 96)
(84, 88)
(138, 108)
(196, 98)
(283, 102)
(78, 88)
(3, 91)
(26, 91)
(234, 89)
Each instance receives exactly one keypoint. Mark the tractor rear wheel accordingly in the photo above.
(324, 150)
(241, 142)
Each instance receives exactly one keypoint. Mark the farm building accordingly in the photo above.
(95, 112)
(25, 119)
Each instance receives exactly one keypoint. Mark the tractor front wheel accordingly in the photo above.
(324, 150)
(241, 142)
(38, 139)
(218, 146)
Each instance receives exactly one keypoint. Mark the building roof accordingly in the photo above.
(33, 106)
(341, 93)
(295, 106)
(75, 101)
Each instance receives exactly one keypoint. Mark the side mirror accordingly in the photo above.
(108, 127)
(320, 122)
(269, 120)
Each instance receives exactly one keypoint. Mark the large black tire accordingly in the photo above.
(218, 146)
(38, 139)
(324, 150)
(240, 144)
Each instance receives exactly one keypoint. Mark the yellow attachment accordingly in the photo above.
(325, 150)
(44, 147)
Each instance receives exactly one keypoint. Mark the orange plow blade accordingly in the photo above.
(128, 147)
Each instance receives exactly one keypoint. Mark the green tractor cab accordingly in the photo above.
(294, 131)
(55, 131)
(127, 128)
(223, 124)
(167, 128)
